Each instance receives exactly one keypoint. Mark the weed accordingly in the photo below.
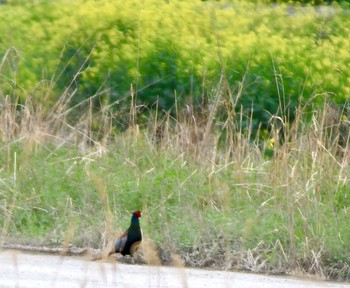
(213, 202)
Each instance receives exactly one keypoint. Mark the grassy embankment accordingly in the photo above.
(210, 191)
(212, 201)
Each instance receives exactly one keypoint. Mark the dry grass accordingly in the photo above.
(292, 174)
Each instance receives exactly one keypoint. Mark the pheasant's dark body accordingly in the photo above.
(134, 235)
(129, 242)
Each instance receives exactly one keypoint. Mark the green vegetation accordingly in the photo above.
(214, 199)
(215, 185)
(279, 55)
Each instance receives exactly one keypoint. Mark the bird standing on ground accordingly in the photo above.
(129, 242)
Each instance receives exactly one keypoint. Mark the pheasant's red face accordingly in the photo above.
(137, 214)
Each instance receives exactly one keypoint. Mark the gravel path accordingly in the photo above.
(18, 269)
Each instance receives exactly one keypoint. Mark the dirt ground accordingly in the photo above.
(19, 269)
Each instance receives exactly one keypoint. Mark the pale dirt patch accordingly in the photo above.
(19, 269)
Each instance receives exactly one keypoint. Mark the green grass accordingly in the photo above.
(214, 187)
(213, 202)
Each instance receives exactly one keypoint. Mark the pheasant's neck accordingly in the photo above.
(134, 220)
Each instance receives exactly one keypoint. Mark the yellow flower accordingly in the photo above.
(271, 143)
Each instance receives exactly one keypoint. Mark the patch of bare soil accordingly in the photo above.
(24, 269)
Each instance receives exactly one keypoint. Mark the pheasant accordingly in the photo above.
(129, 242)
